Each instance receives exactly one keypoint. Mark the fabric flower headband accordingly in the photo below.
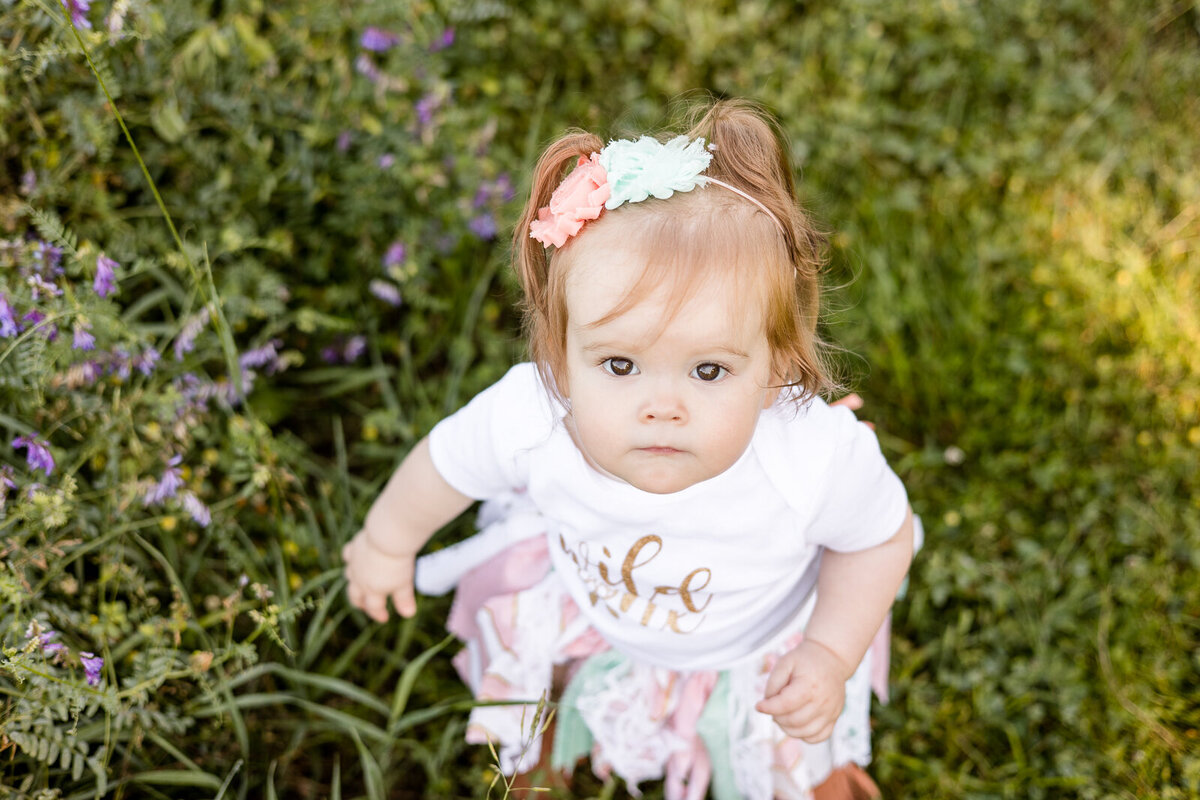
(626, 171)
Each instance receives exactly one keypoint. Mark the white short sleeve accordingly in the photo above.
(829, 468)
(481, 450)
(863, 503)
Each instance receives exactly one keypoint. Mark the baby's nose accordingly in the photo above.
(664, 405)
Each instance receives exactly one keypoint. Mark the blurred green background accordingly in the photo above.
(1013, 191)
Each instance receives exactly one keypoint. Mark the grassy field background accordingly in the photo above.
(311, 238)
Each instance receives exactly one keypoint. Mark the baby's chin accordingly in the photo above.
(662, 487)
(665, 481)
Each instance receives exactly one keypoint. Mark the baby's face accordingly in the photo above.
(661, 406)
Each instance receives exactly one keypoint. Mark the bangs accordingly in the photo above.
(691, 239)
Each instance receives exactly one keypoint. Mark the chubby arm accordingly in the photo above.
(380, 558)
(855, 592)
(806, 690)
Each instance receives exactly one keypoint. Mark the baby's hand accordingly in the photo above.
(854, 403)
(373, 576)
(806, 691)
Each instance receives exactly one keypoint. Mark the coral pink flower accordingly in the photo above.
(579, 198)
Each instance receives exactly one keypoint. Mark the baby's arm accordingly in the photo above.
(416, 502)
(806, 690)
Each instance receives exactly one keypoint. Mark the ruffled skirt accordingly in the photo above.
(696, 730)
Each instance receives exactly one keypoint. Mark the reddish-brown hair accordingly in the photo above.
(694, 236)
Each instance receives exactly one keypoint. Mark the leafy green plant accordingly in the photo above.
(1011, 190)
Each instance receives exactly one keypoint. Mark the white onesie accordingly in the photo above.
(699, 578)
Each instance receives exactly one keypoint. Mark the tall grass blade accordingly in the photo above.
(408, 677)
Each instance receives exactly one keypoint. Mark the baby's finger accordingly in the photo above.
(851, 401)
(405, 603)
(376, 607)
(795, 720)
(815, 732)
(778, 679)
(788, 700)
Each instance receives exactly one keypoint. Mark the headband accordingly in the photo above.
(626, 171)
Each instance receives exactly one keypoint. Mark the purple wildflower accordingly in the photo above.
(483, 226)
(49, 647)
(504, 186)
(35, 318)
(226, 390)
(443, 41)
(385, 291)
(50, 258)
(116, 18)
(106, 275)
(344, 351)
(91, 668)
(29, 182)
(343, 141)
(87, 372)
(120, 362)
(169, 486)
(500, 189)
(355, 347)
(366, 66)
(386, 161)
(83, 339)
(331, 354)
(197, 392)
(44, 638)
(425, 108)
(194, 395)
(395, 254)
(8, 320)
(186, 341)
(146, 361)
(267, 356)
(378, 40)
(78, 10)
(196, 508)
(37, 452)
(39, 284)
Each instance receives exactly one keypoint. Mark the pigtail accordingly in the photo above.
(750, 151)
(543, 322)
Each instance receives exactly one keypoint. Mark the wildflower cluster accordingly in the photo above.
(44, 641)
(168, 403)
(105, 445)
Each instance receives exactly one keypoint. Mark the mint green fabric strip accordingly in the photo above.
(713, 727)
(572, 739)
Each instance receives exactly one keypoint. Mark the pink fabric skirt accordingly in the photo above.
(696, 730)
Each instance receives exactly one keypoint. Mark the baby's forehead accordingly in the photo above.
(623, 309)
(612, 277)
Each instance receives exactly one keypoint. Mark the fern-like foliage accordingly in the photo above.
(52, 229)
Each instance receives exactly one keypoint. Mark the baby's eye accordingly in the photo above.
(619, 366)
(709, 372)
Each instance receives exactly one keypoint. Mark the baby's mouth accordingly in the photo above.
(659, 450)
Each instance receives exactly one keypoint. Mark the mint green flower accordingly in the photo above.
(649, 168)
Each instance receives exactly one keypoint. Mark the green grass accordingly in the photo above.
(1012, 190)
